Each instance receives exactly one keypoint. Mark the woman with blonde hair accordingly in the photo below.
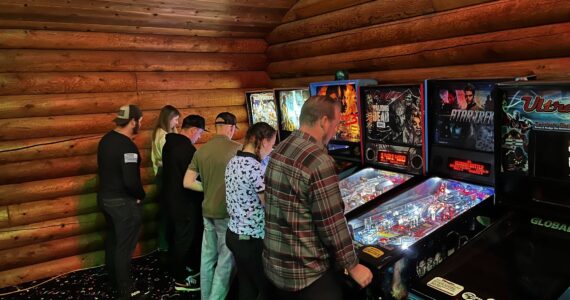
(166, 123)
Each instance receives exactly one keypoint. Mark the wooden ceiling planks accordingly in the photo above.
(216, 18)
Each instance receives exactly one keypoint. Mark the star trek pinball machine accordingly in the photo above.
(524, 255)
(403, 238)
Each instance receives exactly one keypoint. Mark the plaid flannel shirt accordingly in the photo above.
(305, 227)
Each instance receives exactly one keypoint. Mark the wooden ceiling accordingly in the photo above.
(217, 18)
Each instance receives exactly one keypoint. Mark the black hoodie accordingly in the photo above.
(177, 154)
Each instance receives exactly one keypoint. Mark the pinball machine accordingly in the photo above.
(524, 255)
(403, 238)
(393, 140)
(346, 146)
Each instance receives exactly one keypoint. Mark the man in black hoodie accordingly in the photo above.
(185, 206)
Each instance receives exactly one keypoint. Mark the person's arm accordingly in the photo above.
(131, 174)
(190, 177)
(327, 210)
(156, 149)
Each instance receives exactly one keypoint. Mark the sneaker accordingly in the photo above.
(191, 284)
(190, 271)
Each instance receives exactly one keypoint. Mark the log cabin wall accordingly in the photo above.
(59, 91)
(407, 41)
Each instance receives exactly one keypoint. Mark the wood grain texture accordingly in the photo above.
(20, 106)
(56, 167)
(84, 27)
(545, 41)
(55, 188)
(63, 265)
(500, 15)
(23, 60)
(60, 248)
(544, 69)
(98, 82)
(74, 40)
(191, 20)
(19, 236)
(357, 16)
(38, 127)
(62, 207)
(69, 146)
(308, 8)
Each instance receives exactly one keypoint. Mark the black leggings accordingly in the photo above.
(252, 283)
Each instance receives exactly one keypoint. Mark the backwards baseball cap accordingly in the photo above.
(194, 121)
(226, 118)
(126, 113)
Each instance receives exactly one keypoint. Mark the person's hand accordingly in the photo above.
(361, 274)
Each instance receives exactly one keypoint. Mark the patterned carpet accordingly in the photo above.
(93, 284)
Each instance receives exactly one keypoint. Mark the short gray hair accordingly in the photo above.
(316, 107)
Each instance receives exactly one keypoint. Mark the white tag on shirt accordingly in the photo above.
(131, 158)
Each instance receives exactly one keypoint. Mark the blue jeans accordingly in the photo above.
(215, 282)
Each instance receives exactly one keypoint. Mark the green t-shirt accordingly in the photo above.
(210, 163)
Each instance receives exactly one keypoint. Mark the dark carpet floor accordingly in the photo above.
(93, 284)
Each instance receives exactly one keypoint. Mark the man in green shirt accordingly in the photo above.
(210, 163)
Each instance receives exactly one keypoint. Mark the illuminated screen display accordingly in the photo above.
(290, 104)
(349, 127)
(262, 105)
(464, 114)
(469, 166)
(546, 114)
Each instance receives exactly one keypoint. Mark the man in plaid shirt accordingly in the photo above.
(307, 241)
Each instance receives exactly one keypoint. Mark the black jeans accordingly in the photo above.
(187, 243)
(123, 216)
(252, 282)
(329, 286)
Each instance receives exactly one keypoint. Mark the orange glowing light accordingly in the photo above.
(393, 158)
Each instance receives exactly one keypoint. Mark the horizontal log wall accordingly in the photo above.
(429, 39)
(59, 92)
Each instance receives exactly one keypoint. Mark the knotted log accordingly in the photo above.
(56, 168)
(44, 210)
(548, 41)
(37, 127)
(60, 266)
(362, 15)
(19, 236)
(55, 249)
(98, 82)
(459, 22)
(54, 188)
(24, 60)
(544, 69)
(44, 39)
(46, 148)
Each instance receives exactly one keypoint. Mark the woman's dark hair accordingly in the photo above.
(257, 133)
(167, 113)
